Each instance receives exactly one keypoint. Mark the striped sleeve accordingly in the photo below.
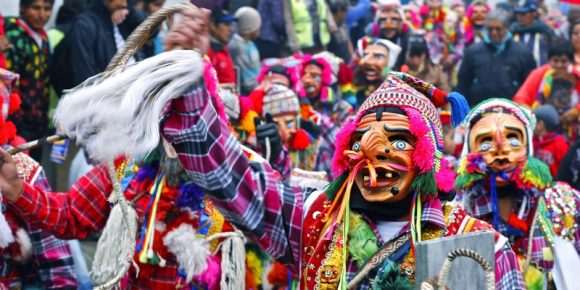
(507, 270)
(250, 194)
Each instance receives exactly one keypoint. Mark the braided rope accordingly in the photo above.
(120, 198)
(442, 281)
(141, 35)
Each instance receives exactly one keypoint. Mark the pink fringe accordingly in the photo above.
(339, 160)
(211, 83)
(212, 276)
(445, 178)
(326, 76)
(424, 149)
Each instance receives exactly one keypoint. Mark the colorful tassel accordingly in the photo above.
(459, 108)
(301, 140)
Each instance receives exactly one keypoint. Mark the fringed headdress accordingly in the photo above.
(419, 100)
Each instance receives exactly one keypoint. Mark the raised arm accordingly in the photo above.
(76, 214)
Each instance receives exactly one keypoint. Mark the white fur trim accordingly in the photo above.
(6, 236)
(120, 115)
(191, 252)
(23, 240)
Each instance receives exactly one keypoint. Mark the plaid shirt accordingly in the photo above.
(478, 203)
(52, 264)
(84, 210)
(250, 194)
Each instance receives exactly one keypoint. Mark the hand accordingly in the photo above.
(10, 184)
(191, 32)
(310, 127)
(4, 44)
(269, 131)
(119, 16)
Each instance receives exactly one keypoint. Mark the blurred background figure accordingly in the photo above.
(244, 51)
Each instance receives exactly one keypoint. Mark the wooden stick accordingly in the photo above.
(36, 143)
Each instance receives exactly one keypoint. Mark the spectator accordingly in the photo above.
(569, 170)
(496, 67)
(243, 50)
(575, 40)
(273, 29)
(553, 83)
(93, 41)
(65, 18)
(29, 57)
(220, 29)
(532, 31)
(419, 64)
(340, 43)
(308, 25)
(549, 145)
(474, 23)
(155, 44)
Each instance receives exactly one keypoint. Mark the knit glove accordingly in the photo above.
(268, 133)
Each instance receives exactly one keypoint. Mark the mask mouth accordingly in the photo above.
(310, 89)
(502, 165)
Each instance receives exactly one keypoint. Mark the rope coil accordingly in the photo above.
(432, 284)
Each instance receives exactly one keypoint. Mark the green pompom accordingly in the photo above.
(425, 184)
(391, 278)
(362, 243)
(465, 180)
(537, 173)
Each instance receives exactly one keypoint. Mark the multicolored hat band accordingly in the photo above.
(500, 105)
(394, 49)
(326, 76)
(10, 103)
(419, 100)
(280, 100)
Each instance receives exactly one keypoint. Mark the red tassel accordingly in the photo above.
(439, 98)
(15, 102)
(301, 140)
(278, 275)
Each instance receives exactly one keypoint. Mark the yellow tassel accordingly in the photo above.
(247, 122)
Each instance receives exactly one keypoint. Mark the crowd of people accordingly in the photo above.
(314, 136)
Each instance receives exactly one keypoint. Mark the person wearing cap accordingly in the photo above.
(388, 160)
(500, 181)
(220, 29)
(243, 50)
(496, 67)
(377, 58)
(549, 145)
(531, 30)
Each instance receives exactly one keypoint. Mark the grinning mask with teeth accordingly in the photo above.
(384, 140)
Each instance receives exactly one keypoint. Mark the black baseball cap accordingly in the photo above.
(221, 16)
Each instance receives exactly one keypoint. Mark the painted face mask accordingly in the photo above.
(498, 143)
(374, 62)
(387, 145)
(312, 80)
(500, 138)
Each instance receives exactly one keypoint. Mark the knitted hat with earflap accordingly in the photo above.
(533, 173)
(419, 101)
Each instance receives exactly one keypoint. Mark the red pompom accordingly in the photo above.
(301, 140)
(517, 223)
(345, 74)
(278, 275)
(439, 98)
(15, 102)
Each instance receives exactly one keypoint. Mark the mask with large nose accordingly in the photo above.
(384, 141)
(500, 138)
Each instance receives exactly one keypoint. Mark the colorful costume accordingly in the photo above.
(317, 234)
(498, 163)
(49, 260)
